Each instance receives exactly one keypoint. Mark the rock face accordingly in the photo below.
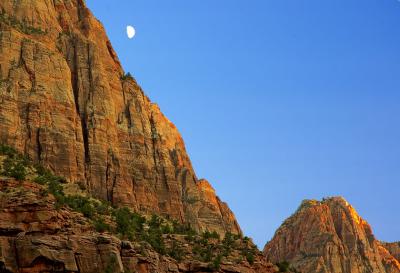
(66, 102)
(329, 237)
(36, 237)
(394, 249)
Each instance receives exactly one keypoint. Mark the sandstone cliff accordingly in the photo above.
(394, 249)
(48, 225)
(37, 237)
(329, 237)
(67, 103)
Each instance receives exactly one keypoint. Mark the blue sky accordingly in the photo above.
(277, 100)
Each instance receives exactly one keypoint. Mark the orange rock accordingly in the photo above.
(393, 248)
(65, 103)
(329, 237)
(36, 237)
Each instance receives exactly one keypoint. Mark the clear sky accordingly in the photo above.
(277, 100)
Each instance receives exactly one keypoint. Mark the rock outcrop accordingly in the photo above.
(36, 236)
(67, 103)
(393, 248)
(329, 237)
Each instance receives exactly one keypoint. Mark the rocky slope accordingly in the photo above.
(67, 103)
(393, 248)
(329, 237)
(48, 225)
(37, 237)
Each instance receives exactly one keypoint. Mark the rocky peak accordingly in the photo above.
(67, 103)
(329, 236)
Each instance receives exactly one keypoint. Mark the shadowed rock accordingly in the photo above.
(67, 103)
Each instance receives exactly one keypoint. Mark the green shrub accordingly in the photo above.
(100, 225)
(15, 169)
(129, 224)
(103, 208)
(176, 252)
(166, 229)
(40, 170)
(250, 257)
(112, 263)
(155, 239)
(210, 235)
(81, 185)
(44, 192)
(190, 237)
(20, 25)
(155, 222)
(216, 263)
(183, 229)
(7, 150)
(81, 204)
(283, 266)
(126, 76)
(228, 239)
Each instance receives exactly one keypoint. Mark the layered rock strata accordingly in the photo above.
(393, 248)
(329, 237)
(36, 236)
(67, 103)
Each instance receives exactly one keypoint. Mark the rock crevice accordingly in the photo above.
(81, 105)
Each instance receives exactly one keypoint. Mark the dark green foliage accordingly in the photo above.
(8, 151)
(15, 164)
(228, 240)
(129, 224)
(20, 25)
(81, 204)
(103, 208)
(155, 222)
(126, 76)
(228, 243)
(158, 232)
(210, 235)
(100, 225)
(81, 185)
(154, 235)
(40, 170)
(283, 266)
(206, 253)
(183, 229)
(190, 237)
(176, 252)
(53, 184)
(14, 168)
(250, 257)
(286, 267)
(249, 252)
(155, 239)
(44, 192)
(216, 263)
(102, 241)
(112, 263)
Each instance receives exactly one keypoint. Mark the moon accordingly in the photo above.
(130, 31)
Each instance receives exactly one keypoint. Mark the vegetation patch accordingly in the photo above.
(126, 76)
(286, 267)
(22, 26)
(167, 237)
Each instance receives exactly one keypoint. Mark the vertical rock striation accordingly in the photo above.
(393, 248)
(66, 102)
(38, 236)
(329, 237)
